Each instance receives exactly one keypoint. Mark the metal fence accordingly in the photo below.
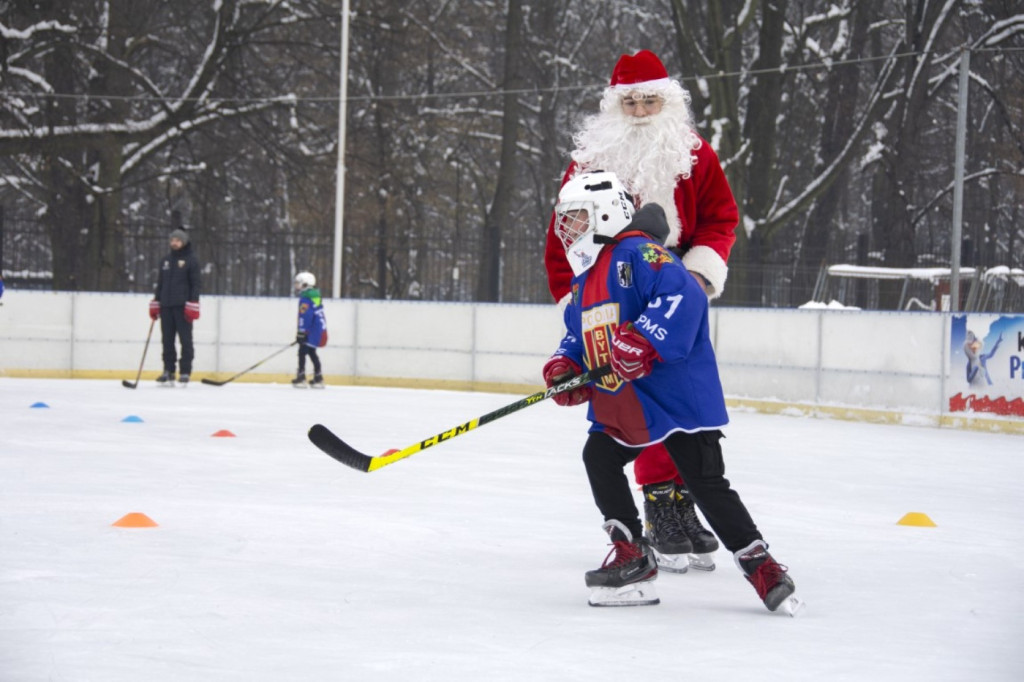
(263, 260)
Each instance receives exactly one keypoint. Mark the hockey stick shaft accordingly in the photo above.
(327, 441)
(126, 383)
(212, 382)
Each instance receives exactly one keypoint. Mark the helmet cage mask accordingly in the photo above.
(608, 210)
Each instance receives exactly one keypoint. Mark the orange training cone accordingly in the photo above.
(223, 433)
(916, 519)
(135, 520)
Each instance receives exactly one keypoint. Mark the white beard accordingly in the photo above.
(649, 155)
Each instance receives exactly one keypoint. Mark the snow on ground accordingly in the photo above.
(271, 561)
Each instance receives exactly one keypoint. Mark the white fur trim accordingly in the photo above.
(707, 262)
(645, 86)
(564, 302)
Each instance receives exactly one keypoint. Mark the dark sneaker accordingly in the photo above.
(317, 382)
(768, 577)
(703, 540)
(663, 526)
(299, 381)
(628, 561)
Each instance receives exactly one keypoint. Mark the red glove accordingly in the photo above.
(632, 354)
(560, 368)
(154, 309)
(192, 311)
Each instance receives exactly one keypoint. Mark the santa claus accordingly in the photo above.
(644, 134)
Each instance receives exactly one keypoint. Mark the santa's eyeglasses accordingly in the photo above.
(648, 102)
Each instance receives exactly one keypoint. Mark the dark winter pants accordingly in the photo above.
(173, 322)
(698, 456)
(305, 350)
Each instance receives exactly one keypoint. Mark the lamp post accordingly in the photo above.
(958, 182)
(339, 199)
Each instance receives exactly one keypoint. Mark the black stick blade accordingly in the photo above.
(323, 438)
(129, 384)
(211, 382)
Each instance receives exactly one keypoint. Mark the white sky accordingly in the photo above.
(271, 561)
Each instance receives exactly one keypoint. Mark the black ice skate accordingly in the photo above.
(317, 382)
(663, 527)
(705, 544)
(299, 381)
(166, 379)
(626, 578)
(183, 380)
(769, 578)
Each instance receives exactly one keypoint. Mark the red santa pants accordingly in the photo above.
(655, 466)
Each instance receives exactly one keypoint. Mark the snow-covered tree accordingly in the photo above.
(102, 97)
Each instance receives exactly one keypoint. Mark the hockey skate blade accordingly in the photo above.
(671, 563)
(634, 594)
(701, 562)
(793, 606)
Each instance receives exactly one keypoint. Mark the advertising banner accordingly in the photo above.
(986, 373)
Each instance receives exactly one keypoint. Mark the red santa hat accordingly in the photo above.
(642, 71)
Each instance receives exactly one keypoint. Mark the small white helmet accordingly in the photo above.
(609, 210)
(304, 280)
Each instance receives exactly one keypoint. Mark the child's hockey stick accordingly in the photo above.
(125, 382)
(323, 438)
(211, 382)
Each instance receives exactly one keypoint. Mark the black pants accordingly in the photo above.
(305, 350)
(173, 322)
(698, 457)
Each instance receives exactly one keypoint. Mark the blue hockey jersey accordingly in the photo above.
(638, 280)
(312, 319)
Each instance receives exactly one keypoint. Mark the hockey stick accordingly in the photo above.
(324, 438)
(125, 382)
(212, 382)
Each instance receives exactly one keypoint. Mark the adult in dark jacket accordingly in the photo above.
(176, 303)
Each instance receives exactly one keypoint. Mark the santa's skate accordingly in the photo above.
(677, 537)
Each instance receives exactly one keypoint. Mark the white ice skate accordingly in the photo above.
(672, 563)
(701, 562)
(633, 594)
(792, 606)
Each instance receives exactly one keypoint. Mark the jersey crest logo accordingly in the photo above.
(655, 255)
(625, 275)
(598, 325)
(181, 263)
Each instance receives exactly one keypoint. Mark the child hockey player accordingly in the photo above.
(312, 332)
(634, 306)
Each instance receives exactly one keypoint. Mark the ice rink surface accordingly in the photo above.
(271, 561)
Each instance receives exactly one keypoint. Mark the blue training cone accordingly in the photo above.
(38, 405)
(132, 418)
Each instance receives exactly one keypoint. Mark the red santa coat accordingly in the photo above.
(708, 216)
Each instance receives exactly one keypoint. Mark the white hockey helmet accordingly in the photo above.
(608, 210)
(304, 280)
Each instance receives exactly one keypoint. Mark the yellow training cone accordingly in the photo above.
(135, 520)
(916, 519)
